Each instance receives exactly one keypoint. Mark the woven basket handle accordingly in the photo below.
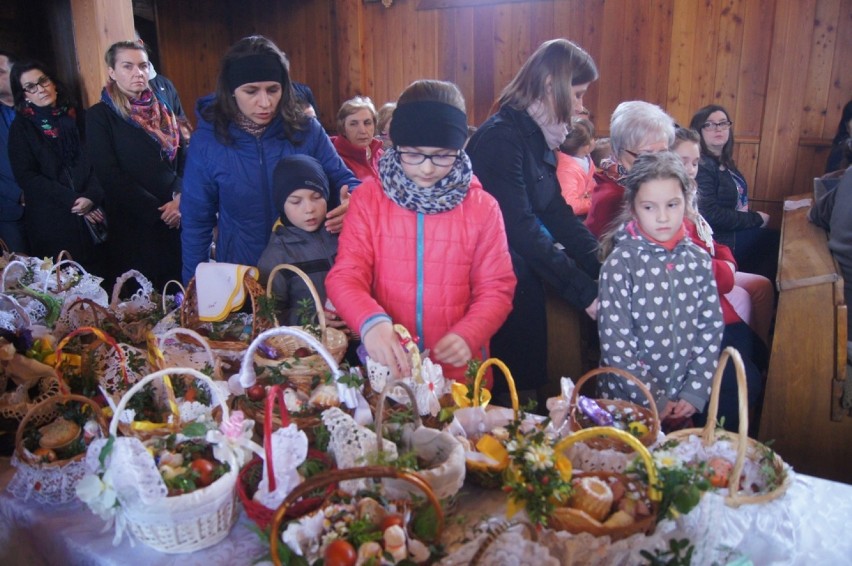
(4, 247)
(7, 269)
(589, 433)
(103, 312)
(55, 269)
(708, 434)
(247, 374)
(652, 405)
(100, 335)
(380, 413)
(275, 393)
(122, 404)
(165, 288)
(497, 532)
(39, 408)
(338, 475)
(161, 340)
(16, 306)
(119, 284)
(311, 287)
(477, 384)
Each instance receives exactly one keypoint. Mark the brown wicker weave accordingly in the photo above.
(649, 416)
(746, 447)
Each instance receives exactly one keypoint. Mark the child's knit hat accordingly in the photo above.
(295, 172)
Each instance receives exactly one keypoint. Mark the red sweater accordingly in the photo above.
(356, 157)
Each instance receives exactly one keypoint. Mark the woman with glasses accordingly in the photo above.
(723, 196)
(137, 150)
(636, 127)
(356, 143)
(251, 121)
(50, 163)
(423, 244)
(513, 155)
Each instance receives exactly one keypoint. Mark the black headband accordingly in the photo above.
(255, 68)
(428, 124)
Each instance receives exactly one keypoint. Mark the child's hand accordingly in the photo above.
(382, 343)
(452, 350)
(682, 410)
(334, 219)
(592, 309)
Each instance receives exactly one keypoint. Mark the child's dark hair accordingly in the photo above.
(429, 90)
(647, 167)
(582, 133)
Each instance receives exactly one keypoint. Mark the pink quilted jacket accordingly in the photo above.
(466, 283)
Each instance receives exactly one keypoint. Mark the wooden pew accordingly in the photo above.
(807, 368)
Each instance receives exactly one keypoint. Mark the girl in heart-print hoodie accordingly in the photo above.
(659, 316)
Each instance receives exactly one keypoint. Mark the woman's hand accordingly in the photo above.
(765, 218)
(383, 346)
(81, 206)
(682, 409)
(592, 309)
(96, 216)
(171, 212)
(452, 350)
(334, 219)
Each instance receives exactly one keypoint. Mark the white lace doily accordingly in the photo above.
(352, 445)
(511, 547)
(139, 302)
(428, 383)
(129, 469)
(289, 451)
(52, 485)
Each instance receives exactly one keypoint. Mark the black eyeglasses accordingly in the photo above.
(32, 88)
(636, 154)
(414, 158)
(723, 125)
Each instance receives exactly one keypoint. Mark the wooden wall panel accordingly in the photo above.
(780, 67)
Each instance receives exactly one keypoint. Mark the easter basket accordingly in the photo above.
(50, 446)
(763, 474)
(439, 454)
(311, 462)
(304, 407)
(331, 511)
(168, 523)
(139, 313)
(234, 338)
(644, 423)
(289, 355)
(167, 350)
(593, 507)
(486, 469)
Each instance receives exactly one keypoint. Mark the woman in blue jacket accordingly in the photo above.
(244, 129)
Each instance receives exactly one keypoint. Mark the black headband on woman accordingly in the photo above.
(255, 68)
(428, 124)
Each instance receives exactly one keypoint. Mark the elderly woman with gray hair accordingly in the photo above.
(636, 127)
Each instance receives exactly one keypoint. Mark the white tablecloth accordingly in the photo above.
(809, 525)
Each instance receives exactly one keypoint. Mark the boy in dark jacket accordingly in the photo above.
(300, 190)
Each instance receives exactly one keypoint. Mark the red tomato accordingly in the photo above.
(340, 553)
(204, 468)
(390, 521)
(256, 392)
(191, 394)
(302, 352)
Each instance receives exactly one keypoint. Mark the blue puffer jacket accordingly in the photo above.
(235, 182)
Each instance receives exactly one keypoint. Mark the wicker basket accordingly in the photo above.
(562, 517)
(50, 482)
(252, 473)
(164, 357)
(339, 475)
(189, 522)
(114, 385)
(134, 315)
(648, 416)
(440, 450)
(496, 532)
(304, 367)
(746, 448)
(482, 474)
(189, 317)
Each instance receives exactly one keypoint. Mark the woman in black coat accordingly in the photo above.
(513, 156)
(50, 164)
(135, 146)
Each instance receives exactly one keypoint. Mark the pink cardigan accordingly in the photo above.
(576, 184)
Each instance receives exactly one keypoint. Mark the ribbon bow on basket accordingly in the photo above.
(397, 529)
(439, 453)
(283, 462)
(749, 471)
(174, 494)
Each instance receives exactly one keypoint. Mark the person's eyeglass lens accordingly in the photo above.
(414, 158)
(43, 82)
(724, 125)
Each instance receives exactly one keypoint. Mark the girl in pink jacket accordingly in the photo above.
(424, 245)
